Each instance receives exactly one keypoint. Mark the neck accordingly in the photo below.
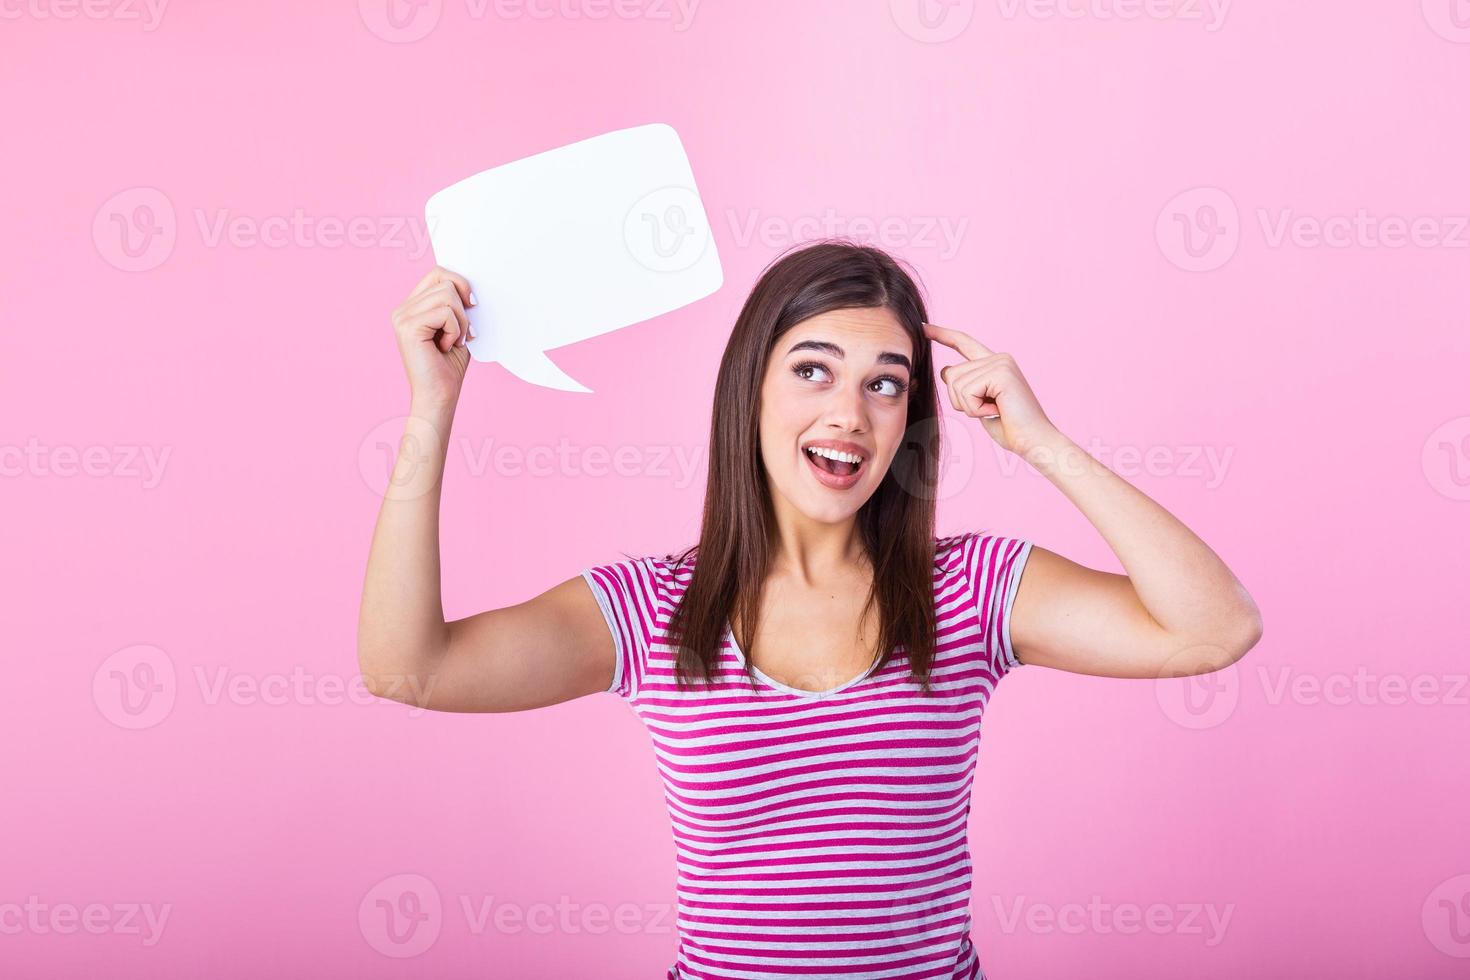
(811, 552)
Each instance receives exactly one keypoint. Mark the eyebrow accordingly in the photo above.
(827, 347)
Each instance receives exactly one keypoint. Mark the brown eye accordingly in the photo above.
(803, 369)
(896, 386)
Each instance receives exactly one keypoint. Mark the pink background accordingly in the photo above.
(1315, 794)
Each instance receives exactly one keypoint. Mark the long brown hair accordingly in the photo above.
(896, 524)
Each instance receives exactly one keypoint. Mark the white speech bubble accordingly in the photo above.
(573, 243)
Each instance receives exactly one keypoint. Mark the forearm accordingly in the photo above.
(401, 628)
(1185, 587)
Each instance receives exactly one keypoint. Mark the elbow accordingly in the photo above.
(371, 669)
(1245, 630)
(380, 672)
(387, 673)
(398, 664)
(1220, 646)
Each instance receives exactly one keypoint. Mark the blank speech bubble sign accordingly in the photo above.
(573, 243)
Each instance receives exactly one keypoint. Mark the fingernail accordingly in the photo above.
(473, 301)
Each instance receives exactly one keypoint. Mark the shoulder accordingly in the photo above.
(949, 550)
(953, 551)
(979, 555)
(645, 581)
(986, 567)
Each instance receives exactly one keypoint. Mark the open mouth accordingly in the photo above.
(833, 467)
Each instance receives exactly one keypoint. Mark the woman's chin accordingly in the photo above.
(823, 506)
(820, 504)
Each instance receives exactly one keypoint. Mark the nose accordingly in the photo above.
(846, 408)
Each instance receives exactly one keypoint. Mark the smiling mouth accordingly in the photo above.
(837, 463)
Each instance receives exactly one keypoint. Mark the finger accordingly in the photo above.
(441, 313)
(968, 371)
(450, 331)
(438, 326)
(950, 372)
(968, 346)
(958, 381)
(984, 408)
(441, 295)
(979, 402)
(954, 396)
(438, 275)
(978, 385)
(436, 295)
(460, 356)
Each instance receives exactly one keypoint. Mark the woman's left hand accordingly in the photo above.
(990, 387)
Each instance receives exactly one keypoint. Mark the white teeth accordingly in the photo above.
(834, 454)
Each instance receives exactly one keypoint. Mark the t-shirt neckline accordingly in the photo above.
(771, 682)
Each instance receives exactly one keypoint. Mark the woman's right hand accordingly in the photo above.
(431, 326)
(542, 651)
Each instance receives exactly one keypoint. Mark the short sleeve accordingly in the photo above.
(993, 566)
(626, 591)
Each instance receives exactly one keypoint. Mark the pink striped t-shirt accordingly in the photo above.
(821, 834)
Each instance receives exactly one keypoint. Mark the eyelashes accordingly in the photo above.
(898, 383)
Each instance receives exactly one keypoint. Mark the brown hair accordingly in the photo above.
(896, 524)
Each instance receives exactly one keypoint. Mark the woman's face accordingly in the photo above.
(838, 383)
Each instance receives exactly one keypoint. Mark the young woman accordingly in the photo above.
(813, 671)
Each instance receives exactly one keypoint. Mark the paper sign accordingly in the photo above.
(575, 242)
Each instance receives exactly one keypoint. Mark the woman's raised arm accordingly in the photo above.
(549, 649)
(1178, 611)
